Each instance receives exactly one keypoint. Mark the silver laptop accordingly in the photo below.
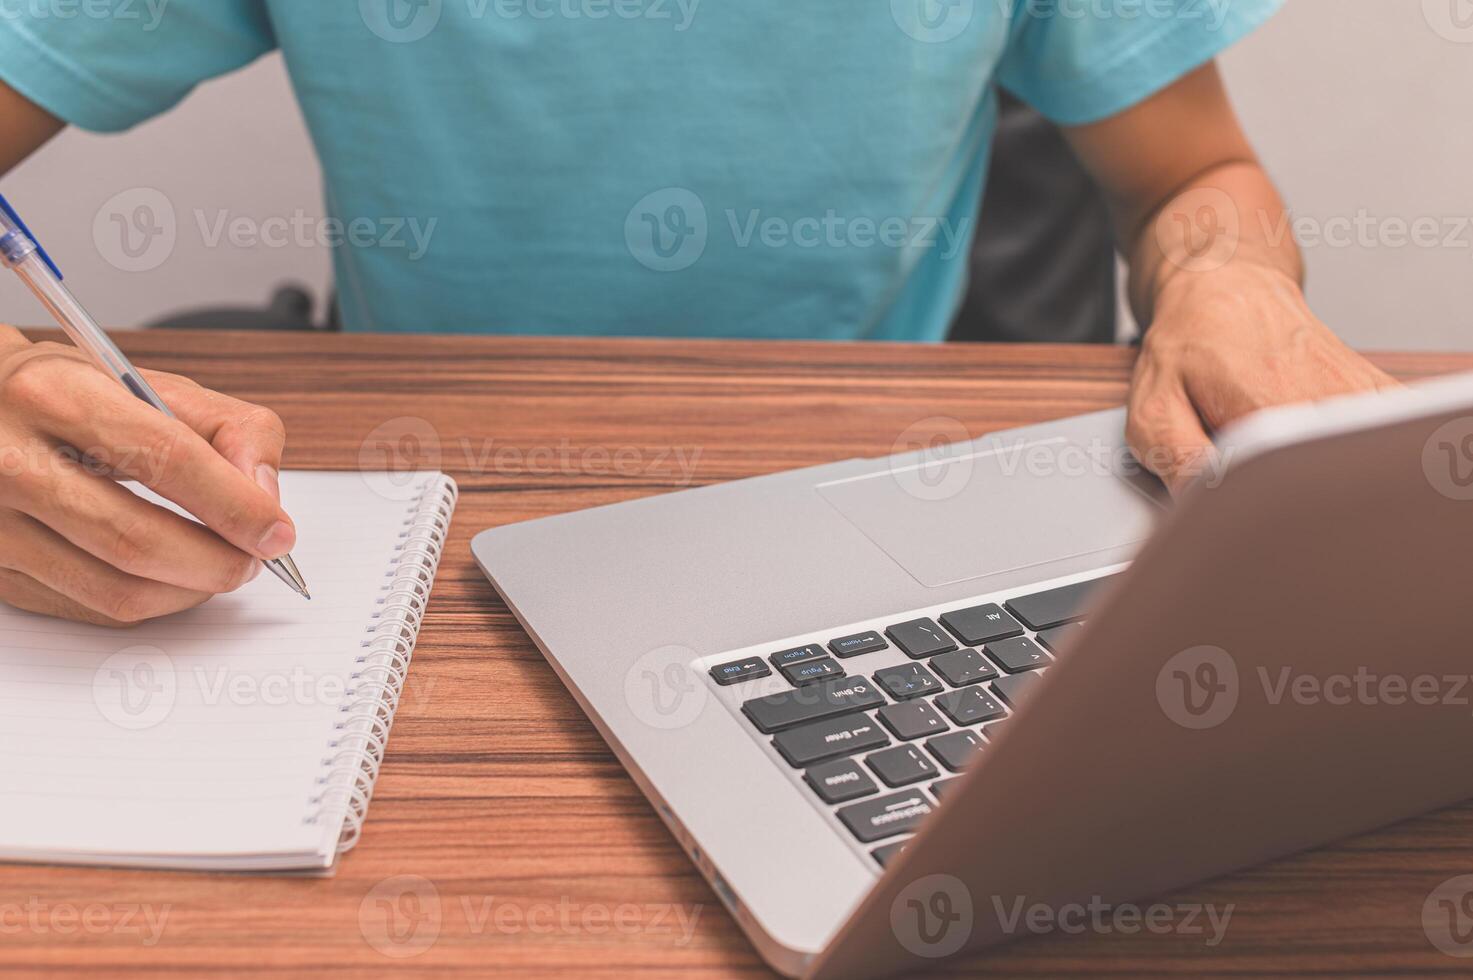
(882, 702)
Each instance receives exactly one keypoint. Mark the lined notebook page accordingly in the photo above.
(206, 735)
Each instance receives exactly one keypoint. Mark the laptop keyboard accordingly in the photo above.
(880, 722)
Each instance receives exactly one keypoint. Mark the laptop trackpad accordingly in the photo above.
(997, 509)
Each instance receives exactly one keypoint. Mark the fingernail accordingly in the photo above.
(278, 541)
(270, 480)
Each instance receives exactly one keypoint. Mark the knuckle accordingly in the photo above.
(231, 574)
(31, 379)
(264, 420)
(134, 545)
(130, 605)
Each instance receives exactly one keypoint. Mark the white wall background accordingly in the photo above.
(1363, 110)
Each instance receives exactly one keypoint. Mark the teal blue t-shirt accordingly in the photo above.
(739, 168)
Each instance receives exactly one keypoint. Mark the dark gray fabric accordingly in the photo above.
(1043, 267)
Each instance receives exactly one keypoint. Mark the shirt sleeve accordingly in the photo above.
(106, 65)
(1078, 61)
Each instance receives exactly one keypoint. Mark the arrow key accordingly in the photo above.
(1018, 654)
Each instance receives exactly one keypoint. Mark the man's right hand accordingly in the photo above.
(76, 544)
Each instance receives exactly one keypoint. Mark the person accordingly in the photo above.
(756, 169)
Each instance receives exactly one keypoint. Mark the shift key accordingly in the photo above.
(812, 702)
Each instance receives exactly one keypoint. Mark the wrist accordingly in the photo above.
(1179, 288)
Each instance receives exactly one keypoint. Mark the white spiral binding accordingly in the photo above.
(357, 750)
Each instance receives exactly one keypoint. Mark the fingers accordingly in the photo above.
(120, 528)
(1165, 432)
(249, 436)
(85, 409)
(45, 573)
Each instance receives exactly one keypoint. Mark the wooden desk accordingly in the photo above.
(495, 786)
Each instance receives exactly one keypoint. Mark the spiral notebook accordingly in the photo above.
(244, 735)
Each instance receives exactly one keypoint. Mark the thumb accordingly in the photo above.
(1166, 434)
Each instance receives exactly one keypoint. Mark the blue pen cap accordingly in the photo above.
(14, 228)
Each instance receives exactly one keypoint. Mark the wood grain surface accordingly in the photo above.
(544, 857)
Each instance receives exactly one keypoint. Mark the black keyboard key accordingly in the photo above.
(962, 667)
(1057, 637)
(853, 646)
(1056, 606)
(970, 706)
(912, 719)
(840, 782)
(1018, 654)
(884, 855)
(797, 655)
(1014, 689)
(980, 624)
(739, 670)
(955, 750)
(902, 765)
(907, 681)
(813, 671)
(943, 786)
(886, 816)
(829, 739)
(812, 702)
(920, 638)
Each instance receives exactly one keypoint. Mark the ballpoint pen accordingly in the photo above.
(20, 250)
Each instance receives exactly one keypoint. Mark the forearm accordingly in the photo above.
(1227, 218)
